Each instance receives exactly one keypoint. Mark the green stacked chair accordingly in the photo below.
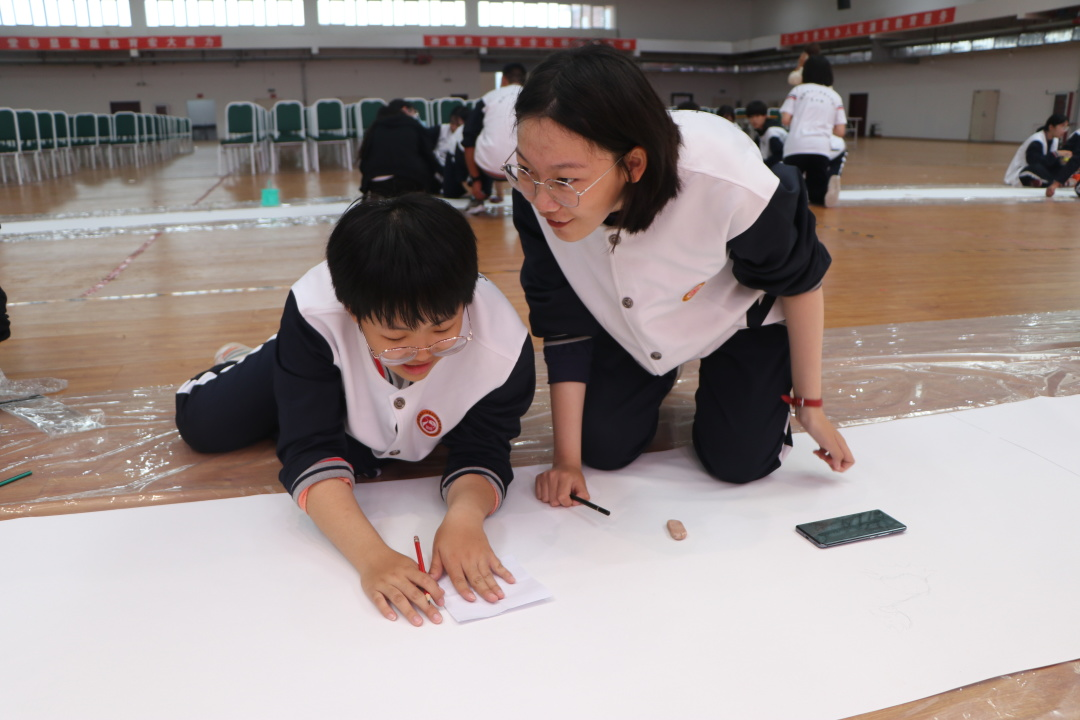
(11, 145)
(84, 137)
(28, 137)
(328, 127)
(241, 136)
(106, 125)
(126, 136)
(46, 123)
(444, 107)
(289, 130)
(368, 110)
(62, 127)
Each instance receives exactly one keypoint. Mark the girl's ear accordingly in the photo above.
(635, 161)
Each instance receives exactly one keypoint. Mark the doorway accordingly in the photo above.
(858, 104)
(984, 105)
(203, 116)
(125, 106)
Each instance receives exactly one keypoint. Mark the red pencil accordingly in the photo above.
(420, 562)
(419, 553)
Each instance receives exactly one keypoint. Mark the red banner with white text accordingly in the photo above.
(899, 23)
(157, 42)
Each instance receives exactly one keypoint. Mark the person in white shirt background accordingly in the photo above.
(814, 114)
(1037, 161)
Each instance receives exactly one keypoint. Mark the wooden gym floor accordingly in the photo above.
(115, 311)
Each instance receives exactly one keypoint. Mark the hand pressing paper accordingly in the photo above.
(525, 591)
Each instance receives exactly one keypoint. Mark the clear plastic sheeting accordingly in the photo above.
(871, 374)
(53, 417)
(11, 390)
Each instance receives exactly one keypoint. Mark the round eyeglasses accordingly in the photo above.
(442, 348)
(560, 191)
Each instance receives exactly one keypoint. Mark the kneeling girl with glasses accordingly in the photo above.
(393, 345)
(654, 238)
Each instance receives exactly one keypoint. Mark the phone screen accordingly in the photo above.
(849, 528)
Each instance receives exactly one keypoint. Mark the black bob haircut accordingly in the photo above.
(817, 70)
(514, 73)
(756, 107)
(403, 261)
(602, 95)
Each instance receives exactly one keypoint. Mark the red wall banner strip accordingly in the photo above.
(163, 42)
(898, 23)
(540, 42)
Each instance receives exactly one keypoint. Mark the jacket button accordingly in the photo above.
(614, 239)
(395, 452)
(399, 403)
(655, 355)
(627, 302)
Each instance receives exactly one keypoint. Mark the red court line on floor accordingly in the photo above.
(142, 248)
(122, 266)
(212, 189)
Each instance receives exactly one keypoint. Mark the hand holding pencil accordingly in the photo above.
(396, 584)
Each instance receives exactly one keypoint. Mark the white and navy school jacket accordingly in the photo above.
(1033, 151)
(328, 386)
(492, 129)
(771, 141)
(712, 262)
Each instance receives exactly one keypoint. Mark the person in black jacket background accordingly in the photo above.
(397, 155)
(5, 324)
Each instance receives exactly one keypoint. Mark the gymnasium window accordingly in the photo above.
(545, 15)
(66, 13)
(423, 13)
(224, 13)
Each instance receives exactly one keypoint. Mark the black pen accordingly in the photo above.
(586, 503)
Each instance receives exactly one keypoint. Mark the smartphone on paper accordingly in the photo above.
(850, 528)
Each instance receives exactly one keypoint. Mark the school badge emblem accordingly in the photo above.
(429, 423)
(693, 292)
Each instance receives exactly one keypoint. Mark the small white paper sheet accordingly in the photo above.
(525, 591)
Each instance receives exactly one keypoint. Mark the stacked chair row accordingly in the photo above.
(48, 143)
(255, 136)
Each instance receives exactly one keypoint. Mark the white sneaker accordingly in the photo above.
(476, 207)
(832, 195)
(230, 352)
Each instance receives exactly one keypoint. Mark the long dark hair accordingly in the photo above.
(603, 96)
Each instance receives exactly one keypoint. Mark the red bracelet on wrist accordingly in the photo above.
(796, 401)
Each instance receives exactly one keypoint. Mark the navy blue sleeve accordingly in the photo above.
(474, 125)
(480, 443)
(1036, 156)
(5, 323)
(310, 398)
(780, 253)
(1073, 143)
(776, 151)
(556, 313)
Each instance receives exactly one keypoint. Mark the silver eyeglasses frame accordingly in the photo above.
(511, 172)
(453, 350)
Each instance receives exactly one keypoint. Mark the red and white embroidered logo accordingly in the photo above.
(693, 292)
(429, 423)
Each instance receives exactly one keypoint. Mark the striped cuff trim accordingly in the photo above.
(328, 469)
(497, 485)
(302, 499)
(566, 341)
